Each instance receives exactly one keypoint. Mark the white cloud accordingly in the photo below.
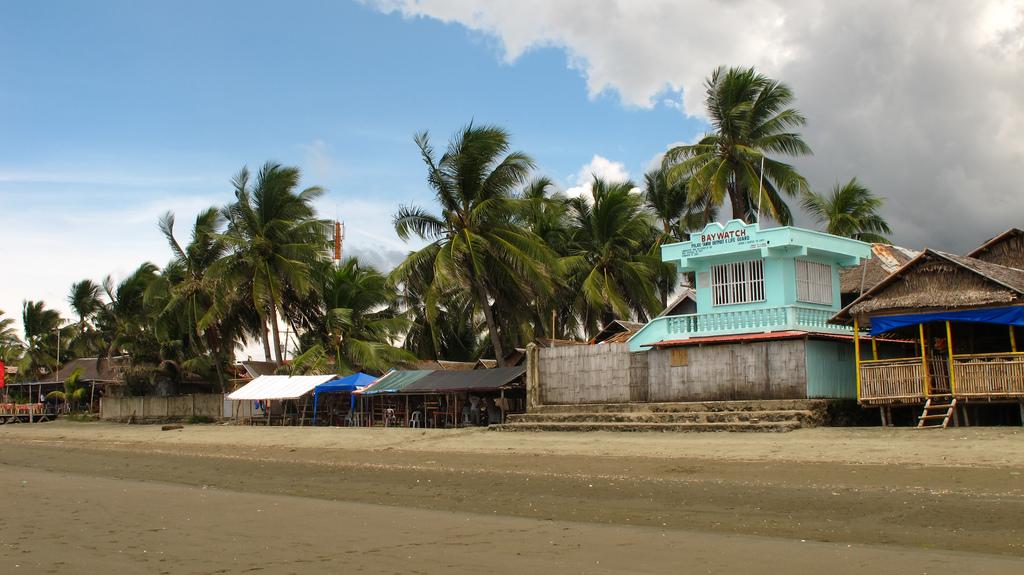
(52, 244)
(921, 101)
(319, 162)
(582, 181)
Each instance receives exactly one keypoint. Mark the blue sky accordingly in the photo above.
(113, 112)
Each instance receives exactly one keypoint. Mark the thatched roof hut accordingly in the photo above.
(94, 369)
(1006, 249)
(938, 281)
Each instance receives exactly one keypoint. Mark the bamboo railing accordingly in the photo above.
(989, 375)
(995, 376)
(892, 381)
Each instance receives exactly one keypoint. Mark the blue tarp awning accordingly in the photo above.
(346, 384)
(998, 315)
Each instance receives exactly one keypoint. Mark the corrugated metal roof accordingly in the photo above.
(745, 337)
(396, 381)
(279, 387)
(258, 368)
(476, 380)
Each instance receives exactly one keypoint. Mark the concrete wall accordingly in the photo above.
(586, 374)
(157, 408)
(783, 369)
(761, 370)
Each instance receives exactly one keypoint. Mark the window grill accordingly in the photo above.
(738, 282)
(813, 282)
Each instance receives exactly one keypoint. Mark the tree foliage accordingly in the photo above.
(851, 211)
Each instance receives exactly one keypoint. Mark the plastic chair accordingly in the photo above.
(415, 420)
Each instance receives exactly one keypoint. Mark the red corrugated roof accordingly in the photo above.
(775, 335)
(770, 336)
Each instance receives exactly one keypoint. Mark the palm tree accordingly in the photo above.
(86, 301)
(678, 214)
(10, 346)
(273, 238)
(357, 321)
(475, 244)
(41, 340)
(73, 393)
(610, 264)
(851, 211)
(183, 295)
(547, 215)
(126, 322)
(673, 207)
(441, 325)
(750, 119)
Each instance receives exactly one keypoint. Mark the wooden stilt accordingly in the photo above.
(856, 352)
(949, 348)
(924, 361)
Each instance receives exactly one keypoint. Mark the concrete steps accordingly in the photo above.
(665, 417)
(752, 405)
(777, 426)
(773, 415)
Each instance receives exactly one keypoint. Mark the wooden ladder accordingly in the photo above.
(934, 412)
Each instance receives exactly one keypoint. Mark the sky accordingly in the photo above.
(114, 112)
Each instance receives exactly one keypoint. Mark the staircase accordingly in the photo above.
(774, 415)
(938, 415)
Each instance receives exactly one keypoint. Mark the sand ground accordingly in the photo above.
(219, 499)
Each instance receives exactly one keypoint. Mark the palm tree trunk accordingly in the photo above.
(492, 326)
(265, 339)
(739, 199)
(276, 332)
(740, 203)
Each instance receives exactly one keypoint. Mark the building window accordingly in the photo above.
(739, 282)
(679, 357)
(813, 282)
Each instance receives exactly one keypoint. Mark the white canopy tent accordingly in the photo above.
(267, 387)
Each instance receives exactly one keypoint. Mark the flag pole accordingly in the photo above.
(760, 190)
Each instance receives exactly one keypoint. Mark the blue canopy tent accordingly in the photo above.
(344, 385)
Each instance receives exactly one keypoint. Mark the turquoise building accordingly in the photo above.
(750, 280)
(761, 329)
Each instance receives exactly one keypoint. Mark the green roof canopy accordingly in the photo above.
(396, 381)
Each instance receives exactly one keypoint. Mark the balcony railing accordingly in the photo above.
(782, 318)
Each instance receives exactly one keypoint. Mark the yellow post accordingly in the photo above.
(1013, 340)
(874, 349)
(856, 352)
(949, 346)
(924, 361)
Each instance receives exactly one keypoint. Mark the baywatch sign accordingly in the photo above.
(733, 235)
(723, 236)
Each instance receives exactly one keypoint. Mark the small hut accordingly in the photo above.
(943, 331)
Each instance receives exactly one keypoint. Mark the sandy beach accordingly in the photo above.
(206, 499)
